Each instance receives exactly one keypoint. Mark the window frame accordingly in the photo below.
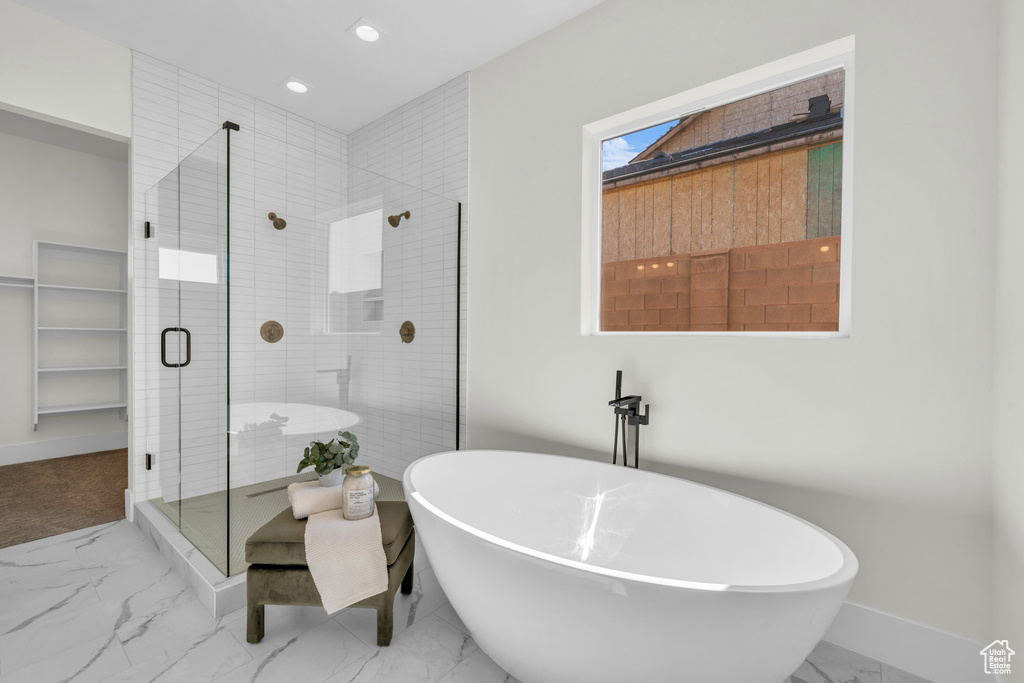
(780, 73)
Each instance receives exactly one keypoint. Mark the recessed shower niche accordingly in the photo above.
(252, 229)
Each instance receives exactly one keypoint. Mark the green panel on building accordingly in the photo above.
(824, 190)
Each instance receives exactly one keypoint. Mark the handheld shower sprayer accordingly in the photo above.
(627, 412)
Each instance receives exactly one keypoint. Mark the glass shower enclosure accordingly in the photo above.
(276, 284)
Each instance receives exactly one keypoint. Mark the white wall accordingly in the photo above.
(55, 194)
(882, 438)
(1008, 437)
(62, 74)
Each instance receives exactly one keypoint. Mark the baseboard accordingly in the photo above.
(934, 655)
(60, 448)
(129, 505)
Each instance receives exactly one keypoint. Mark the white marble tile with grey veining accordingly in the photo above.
(424, 652)
(120, 544)
(20, 608)
(33, 547)
(830, 663)
(448, 613)
(426, 597)
(478, 668)
(201, 659)
(67, 628)
(311, 655)
(150, 634)
(48, 567)
(891, 674)
(282, 623)
(145, 582)
(91, 662)
(119, 612)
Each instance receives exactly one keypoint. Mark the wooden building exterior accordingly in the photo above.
(775, 186)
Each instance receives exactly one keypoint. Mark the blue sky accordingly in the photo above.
(618, 151)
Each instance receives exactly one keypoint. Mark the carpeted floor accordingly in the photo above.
(50, 497)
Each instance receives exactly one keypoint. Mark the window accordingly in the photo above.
(726, 209)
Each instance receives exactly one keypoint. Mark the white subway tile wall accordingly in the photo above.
(425, 144)
(333, 357)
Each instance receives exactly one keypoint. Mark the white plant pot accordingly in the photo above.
(334, 478)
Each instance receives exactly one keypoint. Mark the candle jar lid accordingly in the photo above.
(356, 470)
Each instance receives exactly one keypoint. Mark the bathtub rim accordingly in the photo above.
(845, 574)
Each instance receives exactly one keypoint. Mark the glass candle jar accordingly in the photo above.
(357, 493)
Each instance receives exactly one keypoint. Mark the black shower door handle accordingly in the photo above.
(163, 347)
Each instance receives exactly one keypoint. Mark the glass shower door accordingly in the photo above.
(191, 373)
(163, 433)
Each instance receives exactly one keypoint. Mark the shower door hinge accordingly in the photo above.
(149, 232)
(149, 461)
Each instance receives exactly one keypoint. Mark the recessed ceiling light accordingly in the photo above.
(367, 33)
(367, 30)
(296, 86)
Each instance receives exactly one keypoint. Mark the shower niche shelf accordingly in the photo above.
(80, 330)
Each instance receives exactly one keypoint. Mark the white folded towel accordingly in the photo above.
(308, 498)
(346, 558)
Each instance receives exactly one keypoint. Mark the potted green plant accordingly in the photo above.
(330, 459)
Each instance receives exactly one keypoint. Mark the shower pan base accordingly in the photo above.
(254, 505)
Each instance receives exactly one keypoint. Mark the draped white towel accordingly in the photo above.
(308, 498)
(346, 558)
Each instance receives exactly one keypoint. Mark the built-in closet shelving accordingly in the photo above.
(80, 330)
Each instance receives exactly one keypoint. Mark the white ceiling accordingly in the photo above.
(255, 45)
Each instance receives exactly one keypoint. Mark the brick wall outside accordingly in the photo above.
(789, 286)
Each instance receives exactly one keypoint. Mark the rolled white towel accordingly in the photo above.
(308, 498)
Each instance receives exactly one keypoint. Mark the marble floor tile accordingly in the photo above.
(20, 608)
(19, 556)
(91, 662)
(66, 627)
(282, 623)
(149, 635)
(138, 594)
(199, 660)
(120, 544)
(150, 580)
(37, 546)
(426, 597)
(310, 656)
(422, 653)
(478, 668)
(891, 674)
(49, 567)
(448, 613)
(102, 604)
(830, 663)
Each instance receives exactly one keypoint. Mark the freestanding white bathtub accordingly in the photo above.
(567, 570)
